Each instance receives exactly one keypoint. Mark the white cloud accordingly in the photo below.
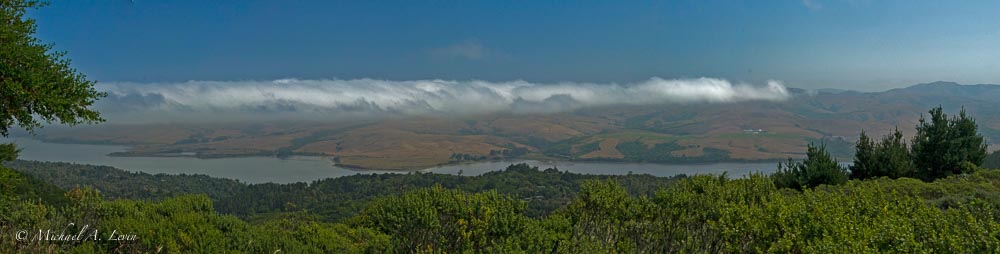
(331, 99)
(813, 5)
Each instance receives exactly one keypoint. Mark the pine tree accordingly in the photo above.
(942, 145)
(889, 157)
(864, 166)
(894, 157)
(818, 168)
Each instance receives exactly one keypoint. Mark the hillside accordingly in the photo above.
(744, 131)
(698, 214)
(331, 199)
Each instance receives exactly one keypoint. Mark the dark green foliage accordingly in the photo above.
(8, 152)
(333, 199)
(713, 214)
(184, 224)
(837, 146)
(709, 154)
(562, 149)
(442, 220)
(943, 145)
(698, 214)
(638, 122)
(605, 218)
(19, 187)
(119, 184)
(889, 157)
(865, 163)
(509, 152)
(894, 156)
(588, 148)
(818, 168)
(637, 151)
(342, 197)
(459, 157)
(36, 84)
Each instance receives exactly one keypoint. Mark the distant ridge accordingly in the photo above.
(951, 89)
(938, 85)
(935, 86)
(833, 90)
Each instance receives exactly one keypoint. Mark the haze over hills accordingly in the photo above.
(670, 132)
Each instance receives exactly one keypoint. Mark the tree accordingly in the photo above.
(942, 145)
(889, 157)
(894, 156)
(864, 158)
(818, 168)
(37, 84)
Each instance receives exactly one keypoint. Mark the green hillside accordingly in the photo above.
(697, 214)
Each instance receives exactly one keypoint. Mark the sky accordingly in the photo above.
(846, 44)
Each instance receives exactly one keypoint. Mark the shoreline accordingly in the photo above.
(362, 169)
(359, 168)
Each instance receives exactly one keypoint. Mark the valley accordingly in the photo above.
(669, 133)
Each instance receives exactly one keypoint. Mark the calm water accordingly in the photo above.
(309, 168)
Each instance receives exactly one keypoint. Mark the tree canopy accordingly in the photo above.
(945, 146)
(942, 147)
(699, 214)
(818, 168)
(37, 84)
(888, 157)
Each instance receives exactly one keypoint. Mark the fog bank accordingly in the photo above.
(343, 99)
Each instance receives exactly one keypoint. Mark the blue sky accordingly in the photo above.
(861, 45)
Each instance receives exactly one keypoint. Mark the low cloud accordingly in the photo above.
(344, 99)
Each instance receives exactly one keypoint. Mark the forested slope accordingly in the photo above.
(334, 198)
(696, 214)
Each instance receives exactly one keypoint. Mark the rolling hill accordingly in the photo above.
(669, 133)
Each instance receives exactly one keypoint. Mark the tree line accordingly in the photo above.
(942, 147)
(703, 213)
(332, 199)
